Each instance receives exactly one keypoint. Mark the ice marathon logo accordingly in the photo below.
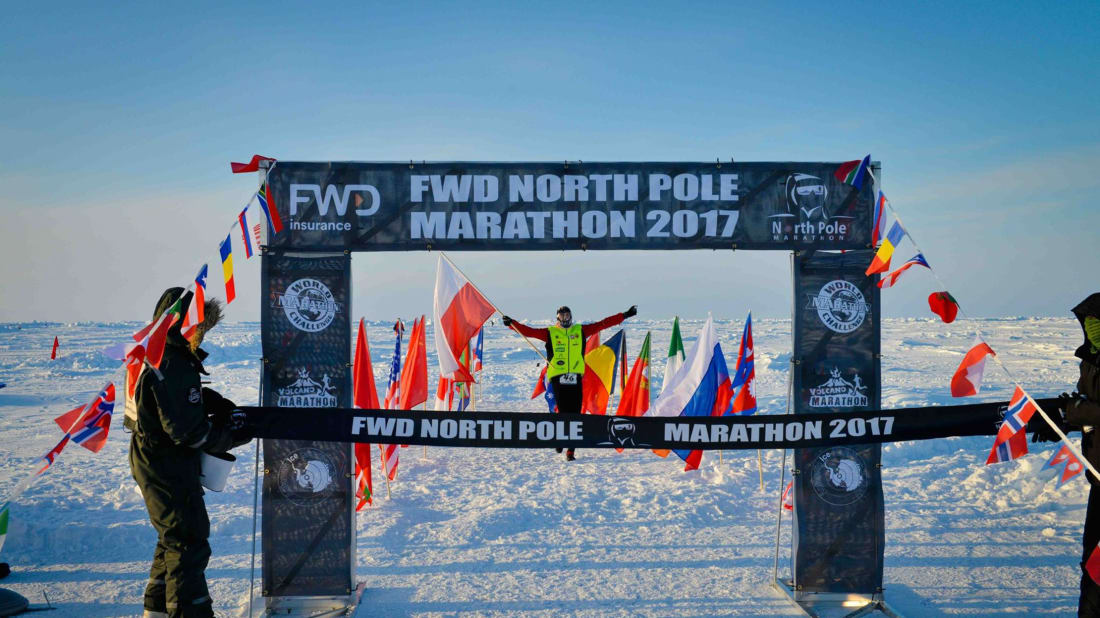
(807, 217)
(839, 476)
(307, 393)
(840, 305)
(837, 392)
(307, 476)
(308, 304)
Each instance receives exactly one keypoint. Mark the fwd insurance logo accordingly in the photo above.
(364, 199)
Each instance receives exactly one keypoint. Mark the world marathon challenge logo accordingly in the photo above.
(308, 304)
(840, 305)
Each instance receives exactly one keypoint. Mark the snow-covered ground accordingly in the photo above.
(520, 531)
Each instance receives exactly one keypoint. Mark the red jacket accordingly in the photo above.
(587, 330)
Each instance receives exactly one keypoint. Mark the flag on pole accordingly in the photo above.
(226, 250)
(392, 389)
(53, 351)
(3, 524)
(364, 395)
(880, 219)
(459, 311)
(853, 172)
(413, 389)
(744, 376)
(788, 496)
(967, 380)
(270, 211)
(635, 398)
(252, 166)
(478, 349)
(1070, 466)
(541, 385)
(892, 278)
(444, 394)
(675, 354)
(89, 425)
(881, 261)
(944, 305)
(1011, 441)
(701, 387)
(195, 314)
(242, 219)
(600, 365)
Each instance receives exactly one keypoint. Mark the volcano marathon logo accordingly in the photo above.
(307, 393)
(840, 305)
(308, 304)
(839, 476)
(837, 392)
(808, 218)
(307, 476)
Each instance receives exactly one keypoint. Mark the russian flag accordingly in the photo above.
(460, 310)
(701, 387)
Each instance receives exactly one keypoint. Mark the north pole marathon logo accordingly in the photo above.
(839, 476)
(837, 392)
(306, 392)
(308, 304)
(307, 476)
(807, 217)
(840, 305)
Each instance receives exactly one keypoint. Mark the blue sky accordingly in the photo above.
(117, 125)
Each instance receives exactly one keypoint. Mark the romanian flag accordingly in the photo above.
(853, 172)
(226, 250)
(881, 262)
(635, 397)
(269, 209)
(892, 278)
(600, 366)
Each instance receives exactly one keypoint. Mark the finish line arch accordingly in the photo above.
(330, 209)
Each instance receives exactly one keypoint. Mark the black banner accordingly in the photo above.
(567, 205)
(307, 489)
(540, 430)
(839, 523)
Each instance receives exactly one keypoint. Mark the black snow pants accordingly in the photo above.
(568, 397)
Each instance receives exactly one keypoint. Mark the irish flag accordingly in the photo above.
(675, 354)
(460, 310)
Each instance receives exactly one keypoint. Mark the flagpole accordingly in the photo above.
(491, 304)
(424, 454)
(385, 470)
(1065, 439)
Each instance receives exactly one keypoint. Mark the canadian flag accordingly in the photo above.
(967, 380)
(460, 310)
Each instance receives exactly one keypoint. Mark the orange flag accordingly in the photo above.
(414, 375)
(364, 395)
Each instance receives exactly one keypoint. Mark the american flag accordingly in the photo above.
(389, 451)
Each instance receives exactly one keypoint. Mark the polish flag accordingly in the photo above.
(967, 380)
(460, 310)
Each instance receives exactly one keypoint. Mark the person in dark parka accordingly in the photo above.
(1082, 412)
(178, 419)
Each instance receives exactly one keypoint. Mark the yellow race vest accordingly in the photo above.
(567, 345)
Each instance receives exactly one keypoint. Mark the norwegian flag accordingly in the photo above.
(1011, 441)
(85, 425)
(744, 376)
(1071, 466)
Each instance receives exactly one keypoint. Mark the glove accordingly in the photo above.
(1041, 431)
(507, 321)
(629, 313)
